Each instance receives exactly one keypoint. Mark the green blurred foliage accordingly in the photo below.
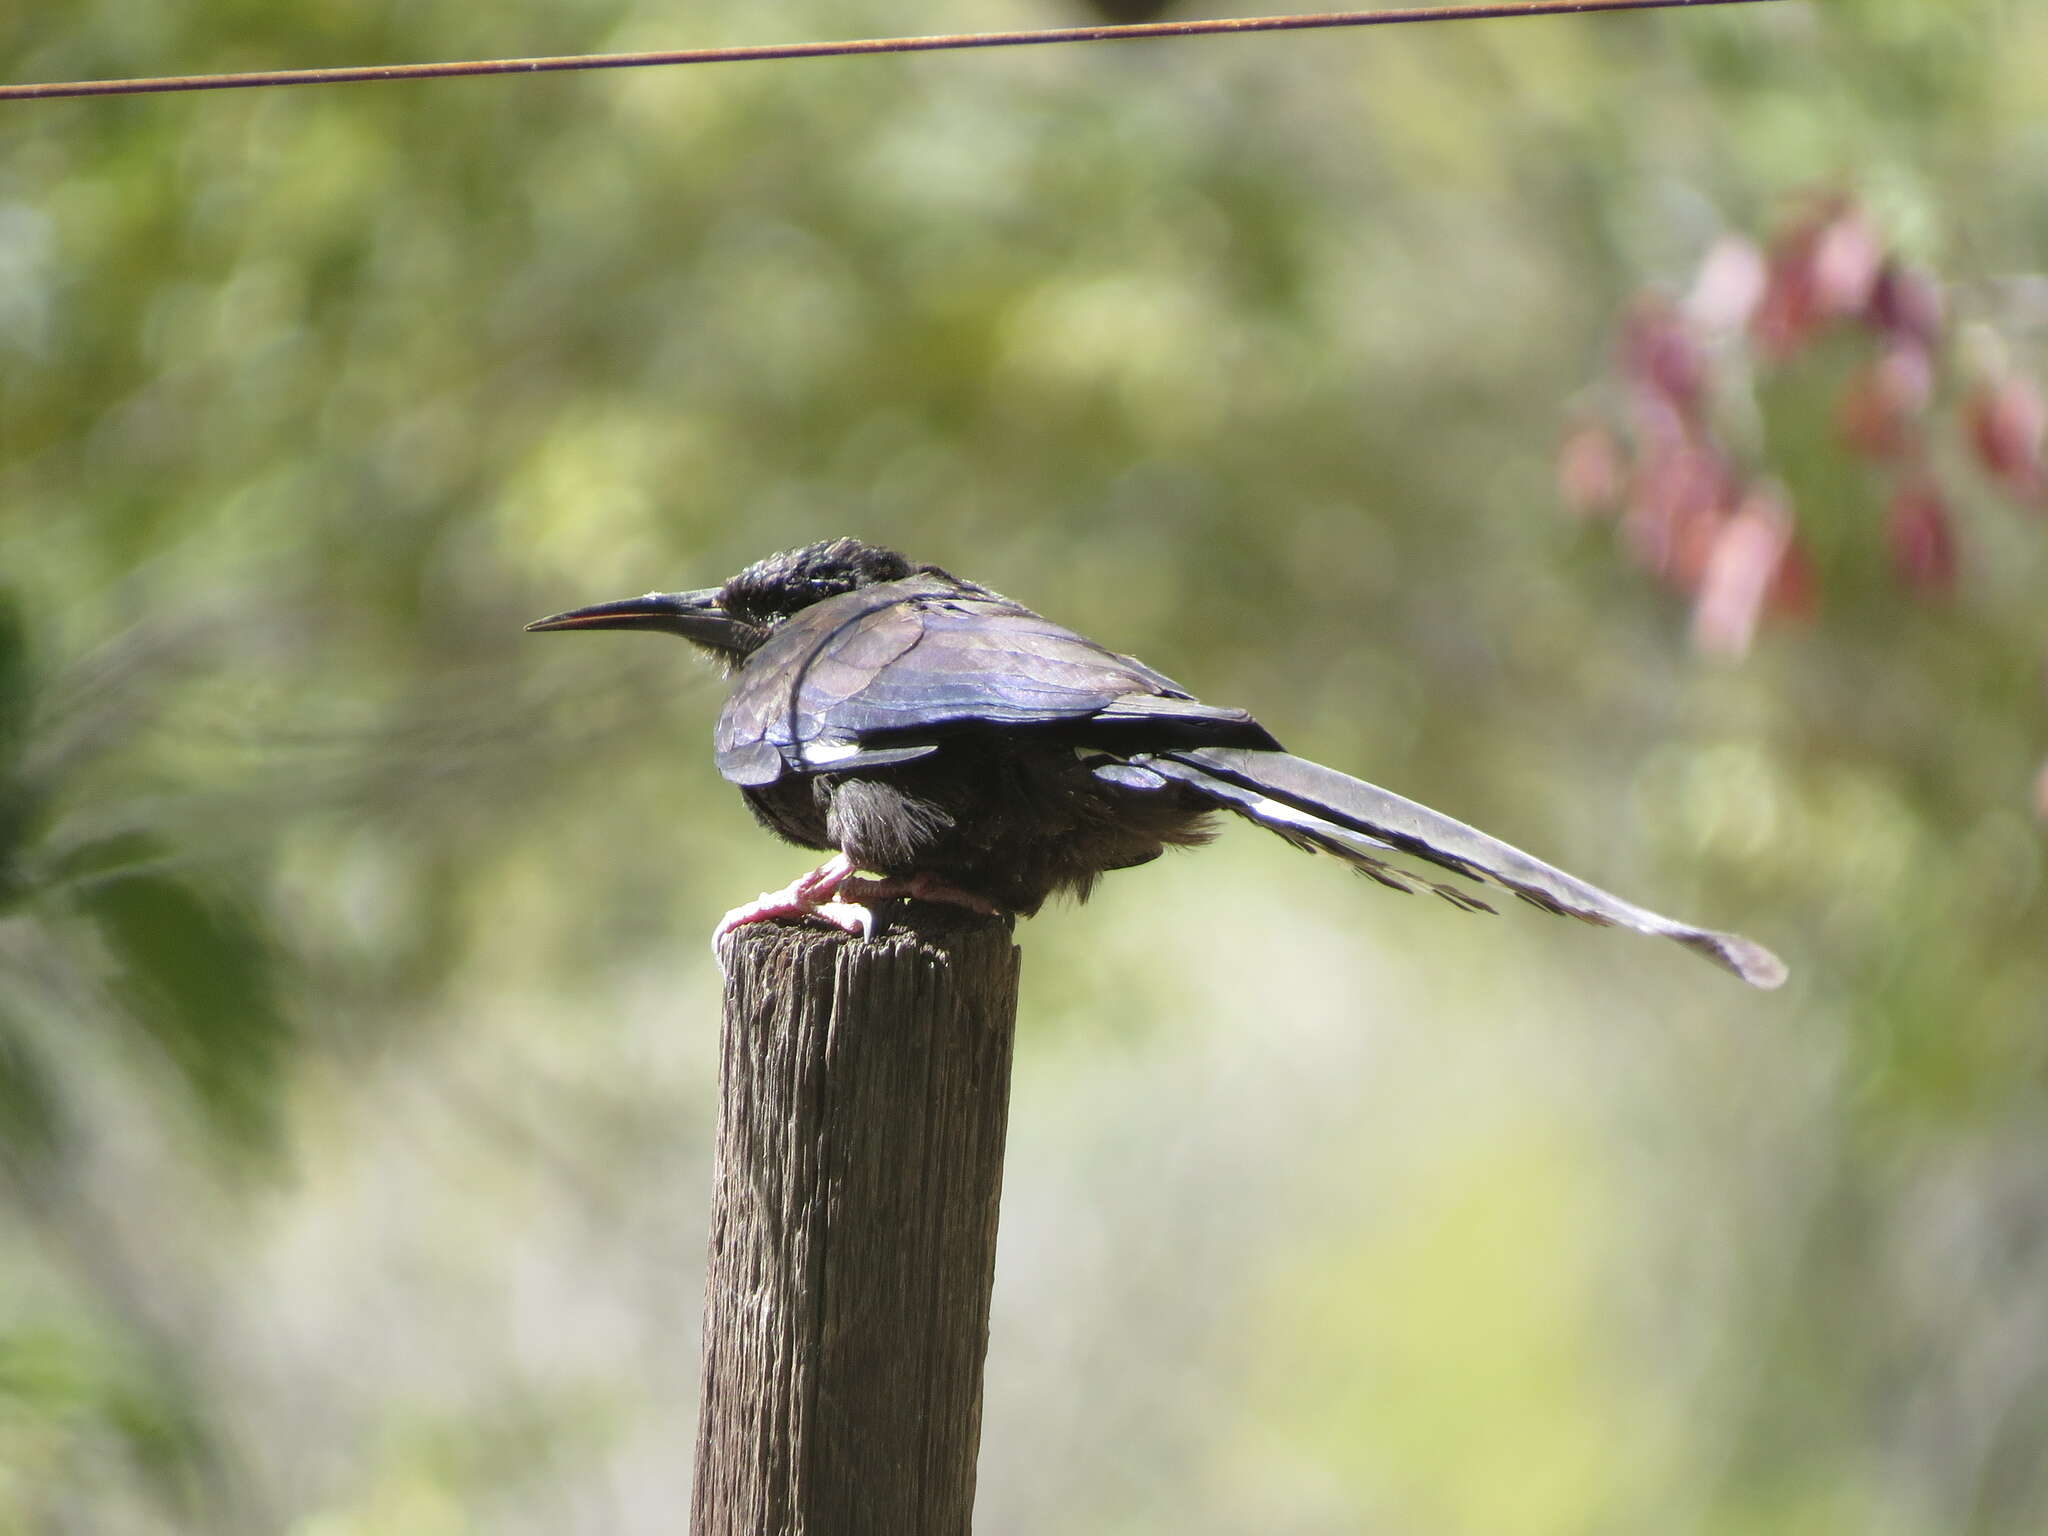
(356, 1026)
(197, 975)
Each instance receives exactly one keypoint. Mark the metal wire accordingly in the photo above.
(1304, 23)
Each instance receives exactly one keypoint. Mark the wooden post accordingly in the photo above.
(863, 1095)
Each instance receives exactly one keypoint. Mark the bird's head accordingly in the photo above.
(734, 620)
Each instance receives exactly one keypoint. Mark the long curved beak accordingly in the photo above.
(695, 616)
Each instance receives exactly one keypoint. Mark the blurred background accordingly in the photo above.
(1617, 431)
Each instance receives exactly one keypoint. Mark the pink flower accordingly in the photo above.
(1922, 539)
(1742, 568)
(2006, 419)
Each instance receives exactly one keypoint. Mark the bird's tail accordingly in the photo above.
(1318, 808)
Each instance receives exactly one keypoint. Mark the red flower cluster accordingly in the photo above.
(1687, 514)
(1722, 537)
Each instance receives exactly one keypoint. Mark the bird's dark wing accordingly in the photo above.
(876, 675)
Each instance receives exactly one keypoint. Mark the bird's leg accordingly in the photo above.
(918, 887)
(808, 895)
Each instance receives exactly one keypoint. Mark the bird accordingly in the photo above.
(946, 744)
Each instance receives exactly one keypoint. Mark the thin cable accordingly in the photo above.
(360, 73)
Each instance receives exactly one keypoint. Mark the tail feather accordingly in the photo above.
(1319, 808)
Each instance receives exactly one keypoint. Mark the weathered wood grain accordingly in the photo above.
(864, 1094)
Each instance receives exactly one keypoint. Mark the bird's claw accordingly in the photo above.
(919, 887)
(850, 915)
(808, 895)
(817, 894)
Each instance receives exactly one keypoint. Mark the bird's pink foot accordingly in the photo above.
(822, 892)
(808, 895)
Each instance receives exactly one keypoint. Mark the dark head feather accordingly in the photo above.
(792, 581)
